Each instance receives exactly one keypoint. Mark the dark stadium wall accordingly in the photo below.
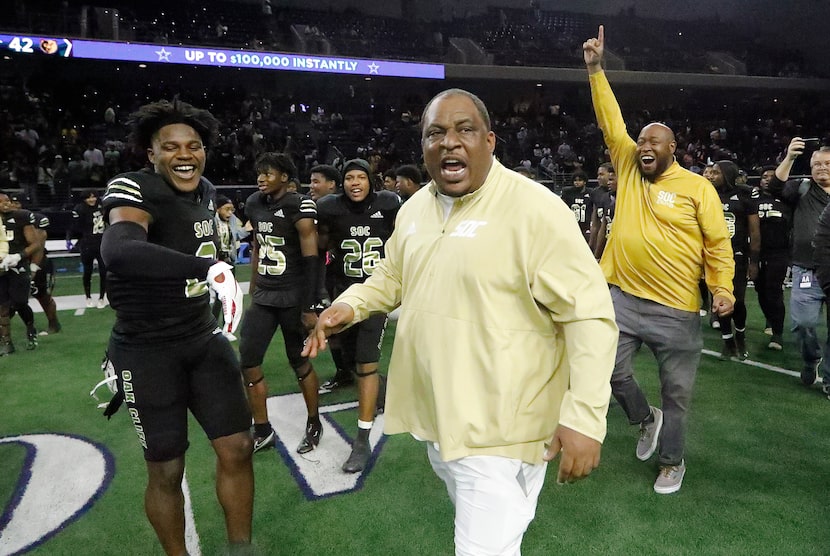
(762, 14)
(799, 23)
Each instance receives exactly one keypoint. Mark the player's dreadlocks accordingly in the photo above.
(148, 119)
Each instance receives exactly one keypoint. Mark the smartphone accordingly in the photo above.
(812, 141)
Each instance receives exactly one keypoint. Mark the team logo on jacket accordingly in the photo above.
(666, 198)
(468, 228)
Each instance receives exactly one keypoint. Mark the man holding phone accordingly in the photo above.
(808, 198)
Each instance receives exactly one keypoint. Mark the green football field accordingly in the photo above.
(72, 483)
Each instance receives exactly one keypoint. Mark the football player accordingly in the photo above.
(88, 225)
(355, 224)
(15, 284)
(325, 180)
(166, 348)
(741, 213)
(42, 272)
(283, 291)
(578, 198)
(776, 221)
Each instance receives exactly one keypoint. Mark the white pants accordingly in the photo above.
(495, 500)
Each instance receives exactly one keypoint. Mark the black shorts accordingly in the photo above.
(260, 323)
(43, 282)
(15, 287)
(161, 382)
(361, 343)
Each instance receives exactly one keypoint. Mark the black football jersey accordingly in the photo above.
(15, 221)
(88, 223)
(580, 202)
(41, 221)
(776, 224)
(357, 233)
(738, 206)
(182, 222)
(605, 206)
(279, 281)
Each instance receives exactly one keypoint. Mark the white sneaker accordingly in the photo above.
(229, 336)
(89, 302)
(102, 302)
(670, 478)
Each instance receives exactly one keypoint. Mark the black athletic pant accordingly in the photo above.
(739, 289)
(769, 286)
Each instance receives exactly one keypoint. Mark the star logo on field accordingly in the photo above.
(163, 54)
(373, 68)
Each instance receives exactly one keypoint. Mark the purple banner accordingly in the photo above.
(166, 54)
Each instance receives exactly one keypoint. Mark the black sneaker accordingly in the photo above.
(358, 458)
(6, 348)
(808, 373)
(263, 442)
(313, 433)
(340, 380)
(729, 351)
(31, 339)
(825, 389)
(776, 342)
(740, 346)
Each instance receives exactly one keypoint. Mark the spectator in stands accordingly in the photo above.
(94, 158)
(456, 387)
(60, 181)
(808, 198)
(674, 228)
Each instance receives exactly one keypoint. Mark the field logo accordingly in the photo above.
(62, 477)
(318, 472)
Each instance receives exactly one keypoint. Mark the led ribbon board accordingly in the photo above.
(166, 54)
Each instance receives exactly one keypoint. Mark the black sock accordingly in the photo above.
(262, 429)
(314, 420)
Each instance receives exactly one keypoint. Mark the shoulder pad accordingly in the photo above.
(387, 200)
(329, 204)
(134, 187)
